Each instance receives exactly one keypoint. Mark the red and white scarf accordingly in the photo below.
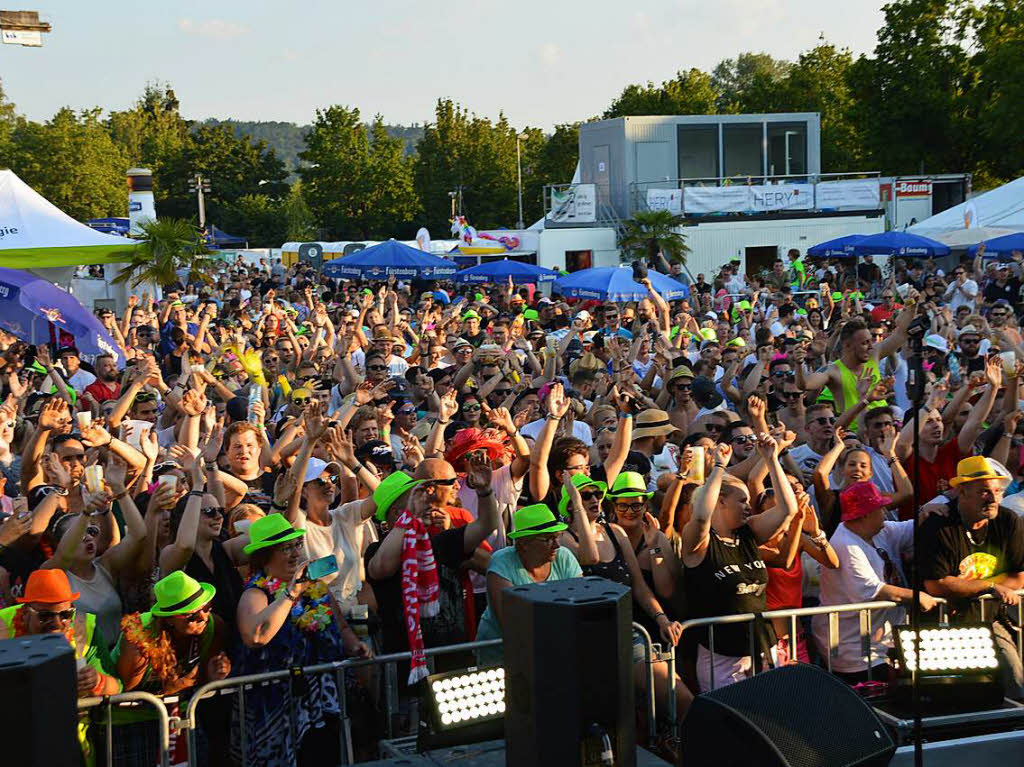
(420, 588)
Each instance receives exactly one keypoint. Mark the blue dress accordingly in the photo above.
(270, 741)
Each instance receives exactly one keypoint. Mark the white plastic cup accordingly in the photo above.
(84, 418)
(94, 478)
(168, 479)
(696, 471)
(1009, 362)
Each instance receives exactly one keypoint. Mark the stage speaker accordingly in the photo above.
(568, 650)
(38, 705)
(794, 716)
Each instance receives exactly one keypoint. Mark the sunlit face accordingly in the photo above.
(106, 369)
(733, 507)
(367, 430)
(71, 454)
(931, 426)
(743, 442)
(603, 445)
(982, 497)
(285, 559)
(49, 617)
(243, 453)
(471, 410)
(441, 485)
(856, 467)
(538, 548)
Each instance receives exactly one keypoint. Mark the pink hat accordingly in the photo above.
(860, 499)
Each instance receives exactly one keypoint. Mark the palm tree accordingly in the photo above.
(653, 236)
(165, 247)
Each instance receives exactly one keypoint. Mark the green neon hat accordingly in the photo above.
(180, 594)
(530, 314)
(736, 342)
(580, 481)
(708, 334)
(470, 315)
(536, 519)
(270, 531)
(629, 484)
(837, 296)
(390, 490)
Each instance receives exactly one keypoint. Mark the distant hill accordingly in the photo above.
(287, 139)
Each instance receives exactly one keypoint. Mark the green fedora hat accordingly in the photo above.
(580, 481)
(629, 484)
(536, 519)
(270, 531)
(180, 594)
(390, 490)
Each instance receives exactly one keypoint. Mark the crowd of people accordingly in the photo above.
(174, 510)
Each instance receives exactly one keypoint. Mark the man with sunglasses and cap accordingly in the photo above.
(974, 549)
(47, 607)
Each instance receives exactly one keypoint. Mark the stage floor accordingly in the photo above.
(488, 754)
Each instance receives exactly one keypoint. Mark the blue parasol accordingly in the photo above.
(615, 283)
(35, 310)
(840, 247)
(1001, 246)
(900, 244)
(390, 259)
(498, 271)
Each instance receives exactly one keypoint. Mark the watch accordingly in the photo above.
(655, 551)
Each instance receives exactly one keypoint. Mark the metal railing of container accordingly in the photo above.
(132, 699)
(637, 195)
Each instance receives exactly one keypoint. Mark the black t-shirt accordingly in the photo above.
(701, 287)
(225, 579)
(477, 339)
(731, 579)
(1009, 292)
(261, 490)
(948, 548)
(449, 626)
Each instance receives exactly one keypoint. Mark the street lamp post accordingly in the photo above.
(519, 176)
(199, 185)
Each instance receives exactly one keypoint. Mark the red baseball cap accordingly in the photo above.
(860, 499)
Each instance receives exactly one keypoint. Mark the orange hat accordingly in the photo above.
(48, 587)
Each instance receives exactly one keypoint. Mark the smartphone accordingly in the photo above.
(19, 507)
(321, 568)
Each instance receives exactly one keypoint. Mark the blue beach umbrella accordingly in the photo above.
(615, 283)
(35, 310)
(390, 259)
(497, 272)
(900, 244)
(1001, 246)
(840, 247)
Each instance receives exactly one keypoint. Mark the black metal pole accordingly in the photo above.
(915, 389)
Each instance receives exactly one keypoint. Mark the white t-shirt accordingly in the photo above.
(861, 575)
(881, 471)
(579, 430)
(806, 459)
(961, 295)
(346, 538)
(81, 379)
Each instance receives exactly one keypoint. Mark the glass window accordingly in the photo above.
(787, 149)
(741, 147)
(698, 151)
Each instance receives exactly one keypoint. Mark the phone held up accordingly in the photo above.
(321, 568)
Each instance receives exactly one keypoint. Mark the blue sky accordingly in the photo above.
(541, 62)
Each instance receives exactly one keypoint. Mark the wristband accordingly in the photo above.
(101, 682)
(660, 615)
(553, 417)
(722, 466)
(120, 495)
(655, 550)
(196, 493)
(626, 415)
(279, 506)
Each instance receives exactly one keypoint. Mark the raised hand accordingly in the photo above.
(193, 403)
(1010, 421)
(54, 471)
(385, 415)
(557, 403)
(211, 447)
(413, 451)
(95, 435)
(115, 474)
(449, 406)
(994, 373)
(313, 416)
(757, 406)
(51, 416)
(723, 454)
(364, 393)
(478, 473)
(767, 447)
(186, 456)
(500, 418)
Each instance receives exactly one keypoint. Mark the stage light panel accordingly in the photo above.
(467, 697)
(969, 648)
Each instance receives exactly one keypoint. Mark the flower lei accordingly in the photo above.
(20, 626)
(312, 612)
(158, 651)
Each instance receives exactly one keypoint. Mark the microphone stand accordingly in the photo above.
(915, 392)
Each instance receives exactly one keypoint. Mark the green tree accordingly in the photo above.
(391, 205)
(71, 160)
(654, 236)
(334, 178)
(689, 93)
(550, 160)
(166, 246)
(299, 220)
(749, 83)
(256, 217)
(153, 131)
(8, 120)
(911, 99)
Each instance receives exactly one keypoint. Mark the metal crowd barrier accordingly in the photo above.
(132, 699)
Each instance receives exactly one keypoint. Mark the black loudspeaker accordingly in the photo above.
(38, 706)
(568, 650)
(794, 716)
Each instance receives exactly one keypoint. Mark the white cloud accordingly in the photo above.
(550, 53)
(216, 29)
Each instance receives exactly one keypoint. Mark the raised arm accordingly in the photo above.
(697, 532)
(584, 545)
(768, 524)
(557, 405)
(177, 554)
(972, 426)
(479, 479)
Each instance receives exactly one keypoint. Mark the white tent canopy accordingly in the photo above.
(1001, 208)
(35, 233)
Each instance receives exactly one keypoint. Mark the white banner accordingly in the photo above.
(665, 199)
(857, 194)
(748, 199)
(575, 204)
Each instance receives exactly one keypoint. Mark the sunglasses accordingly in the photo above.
(717, 428)
(502, 392)
(590, 495)
(376, 367)
(212, 512)
(446, 482)
(470, 408)
(145, 396)
(630, 509)
(51, 616)
(745, 439)
(684, 387)
(331, 481)
(791, 394)
(197, 616)
(788, 374)
(825, 420)
(92, 530)
(300, 401)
